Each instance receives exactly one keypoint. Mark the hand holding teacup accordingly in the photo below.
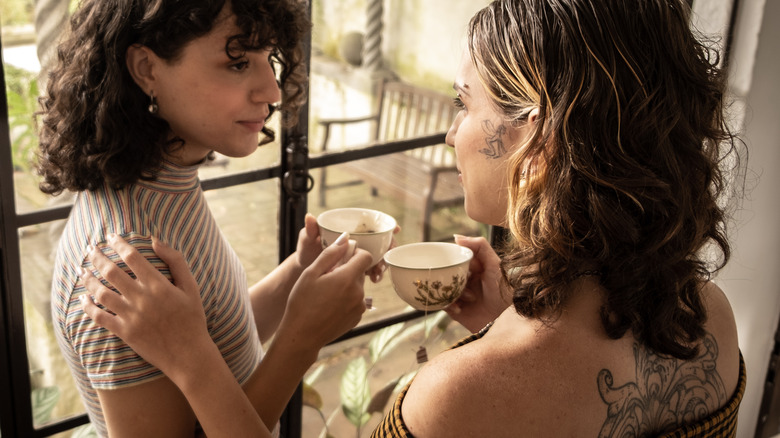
(370, 230)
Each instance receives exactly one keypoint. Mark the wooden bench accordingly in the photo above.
(424, 177)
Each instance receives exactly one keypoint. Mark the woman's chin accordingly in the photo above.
(483, 215)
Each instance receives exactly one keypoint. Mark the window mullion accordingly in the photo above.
(16, 416)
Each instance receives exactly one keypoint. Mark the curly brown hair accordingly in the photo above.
(624, 165)
(94, 127)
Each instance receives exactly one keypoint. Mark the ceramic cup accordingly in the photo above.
(429, 275)
(372, 230)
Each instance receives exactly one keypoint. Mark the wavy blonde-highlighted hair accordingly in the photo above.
(622, 171)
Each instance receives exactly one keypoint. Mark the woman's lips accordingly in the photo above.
(252, 125)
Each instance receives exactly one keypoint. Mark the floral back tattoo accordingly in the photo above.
(666, 392)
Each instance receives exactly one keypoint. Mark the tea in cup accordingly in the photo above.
(372, 230)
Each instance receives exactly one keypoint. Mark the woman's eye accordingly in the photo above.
(241, 65)
(458, 103)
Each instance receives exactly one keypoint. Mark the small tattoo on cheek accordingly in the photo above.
(494, 140)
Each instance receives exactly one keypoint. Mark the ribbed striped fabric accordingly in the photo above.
(721, 424)
(173, 209)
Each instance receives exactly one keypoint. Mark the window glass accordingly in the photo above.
(238, 210)
(350, 388)
(248, 217)
(53, 392)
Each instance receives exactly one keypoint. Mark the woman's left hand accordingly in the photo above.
(376, 272)
(309, 242)
(310, 246)
(163, 322)
(483, 299)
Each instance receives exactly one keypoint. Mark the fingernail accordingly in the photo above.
(88, 249)
(84, 272)
(455, 237)
(83, 299)
(350, 250)
(111, 236)
(344, 238)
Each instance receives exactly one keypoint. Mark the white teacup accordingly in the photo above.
(429, 275)
(371, 229)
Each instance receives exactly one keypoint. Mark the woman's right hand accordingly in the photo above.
(326, 301)
(482, 300)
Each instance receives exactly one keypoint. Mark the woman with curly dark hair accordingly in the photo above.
(144, 91)
(594, 131)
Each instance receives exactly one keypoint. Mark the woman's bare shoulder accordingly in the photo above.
(520, 374)
(721, 329)
(483, 375)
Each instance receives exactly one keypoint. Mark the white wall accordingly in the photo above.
(752, 278)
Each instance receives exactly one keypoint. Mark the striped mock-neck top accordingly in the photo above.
(172, 208)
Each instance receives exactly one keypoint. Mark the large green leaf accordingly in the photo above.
(379, 400)
(381, 343)
(85, 431)
(43, 402)
(355, 394)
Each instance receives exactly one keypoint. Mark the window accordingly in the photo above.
(259, 203)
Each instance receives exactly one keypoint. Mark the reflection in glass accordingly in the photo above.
(53, 393)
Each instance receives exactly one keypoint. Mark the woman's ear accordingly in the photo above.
(533, 115)
(140, 63)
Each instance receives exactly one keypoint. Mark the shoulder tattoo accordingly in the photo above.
(494, 140)
(666, 392)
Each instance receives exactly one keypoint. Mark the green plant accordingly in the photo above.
(43, 402)
(21, 89)
(85, 431)
(357, 403)
(16, 12)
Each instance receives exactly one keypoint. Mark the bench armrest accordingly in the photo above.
(347, 120)
(326, 124)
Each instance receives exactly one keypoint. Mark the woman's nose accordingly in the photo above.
(266, 89)
(450, 137)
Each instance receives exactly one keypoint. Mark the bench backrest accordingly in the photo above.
(408, 111)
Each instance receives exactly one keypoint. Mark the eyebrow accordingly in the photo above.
(461, 88)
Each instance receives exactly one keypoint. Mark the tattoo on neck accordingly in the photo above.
(494, 140)
(667, 392)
